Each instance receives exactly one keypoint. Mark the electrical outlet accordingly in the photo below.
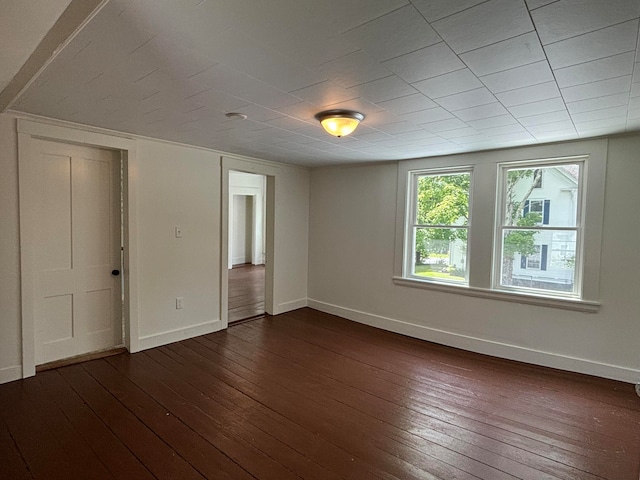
(638, 389)
(179, 304)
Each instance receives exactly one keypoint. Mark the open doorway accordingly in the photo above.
(247, 241)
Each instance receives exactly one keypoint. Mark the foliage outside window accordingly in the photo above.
(440, 226)
(538, 238)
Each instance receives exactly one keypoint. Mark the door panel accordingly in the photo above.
(77, 304)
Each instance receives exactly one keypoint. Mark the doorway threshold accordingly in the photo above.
(80, 358)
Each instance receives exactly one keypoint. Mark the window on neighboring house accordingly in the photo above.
(439, 226)
(537, 260)
(547, 246)
(540, 208)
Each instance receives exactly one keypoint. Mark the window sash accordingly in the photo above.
(411, 225)
(503, 169)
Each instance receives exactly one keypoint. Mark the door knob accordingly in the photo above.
(115, 273)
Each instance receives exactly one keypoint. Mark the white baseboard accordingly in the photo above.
(9, 374)
(479, 345)
(289, 306)
(177, 335)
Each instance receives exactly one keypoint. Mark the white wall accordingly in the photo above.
(176, 186)
(241, 229)
(247, 187)
(351, 251)
(10, 327)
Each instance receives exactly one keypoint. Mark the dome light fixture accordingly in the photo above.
(339, 122)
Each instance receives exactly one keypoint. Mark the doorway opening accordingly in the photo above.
(247, 246)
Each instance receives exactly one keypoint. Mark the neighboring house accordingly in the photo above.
(554, 199)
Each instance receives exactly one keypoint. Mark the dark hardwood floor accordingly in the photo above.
(306, 395)
(246, 292)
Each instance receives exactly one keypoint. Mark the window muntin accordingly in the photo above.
(439, 226)
(543, 234)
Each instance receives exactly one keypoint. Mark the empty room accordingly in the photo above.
(320, 239)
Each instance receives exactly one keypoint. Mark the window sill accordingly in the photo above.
(586, 306)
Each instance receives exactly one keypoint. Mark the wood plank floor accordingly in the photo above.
(246, 292)
(306, 395)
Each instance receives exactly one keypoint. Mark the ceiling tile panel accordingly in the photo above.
(434, 10)
(444, 125)
(492, 122)
(383, 89)
(536, 108)
(397, 33)
(425, 63)
(533, 4)
(597, 89)
(484, 111)
(550, 127)
(353, 69)
(543, 118)
(569, 18)
(324, 93)
(472, 98)
(459, 133)
(449, 83)
(610, 67)
(512, 53)
(408, 104)
(600, 114)
(592, 46)
(535, 93)
(504, 129)
(620, 99)
(485, 24)
(427, 116)
(519, 77)
(557, 135)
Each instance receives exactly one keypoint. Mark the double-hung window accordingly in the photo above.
(538, 240)
(513, 225)
(440, 225)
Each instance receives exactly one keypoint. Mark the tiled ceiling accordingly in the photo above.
(432, 76)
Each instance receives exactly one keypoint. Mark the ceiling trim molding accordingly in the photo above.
(72, 20)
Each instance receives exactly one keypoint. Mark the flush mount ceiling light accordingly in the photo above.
(236, 115)
(339, 122)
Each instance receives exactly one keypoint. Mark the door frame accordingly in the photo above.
(270, 172)
(28, 130)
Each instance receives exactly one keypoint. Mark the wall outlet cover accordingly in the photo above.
(179, 304)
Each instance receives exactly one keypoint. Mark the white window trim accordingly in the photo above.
(481, 248)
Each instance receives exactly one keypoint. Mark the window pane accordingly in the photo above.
(443, 199)
(542, 260)
(542, 196)
(441, 254)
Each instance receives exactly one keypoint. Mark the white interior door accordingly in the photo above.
(75, 194)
